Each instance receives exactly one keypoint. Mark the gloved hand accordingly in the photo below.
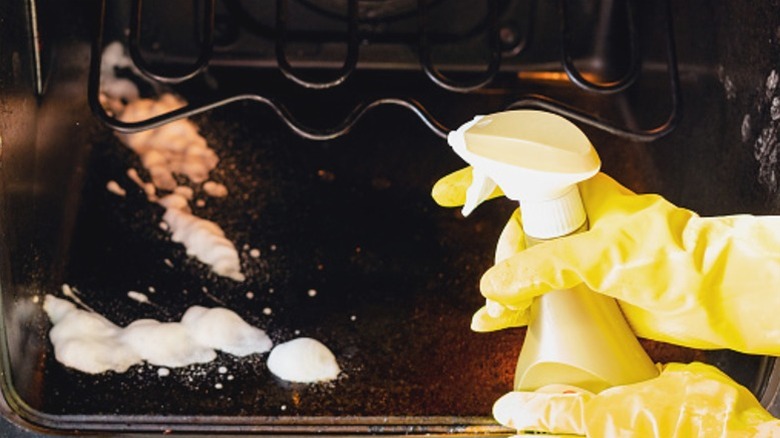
(694, 400)
(679, 278)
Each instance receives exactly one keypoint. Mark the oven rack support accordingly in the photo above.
(494, 44)
(206, 46)
(616, 86)
(350, 62)
(536, 101)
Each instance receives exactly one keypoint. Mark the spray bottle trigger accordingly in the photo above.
(480, 189)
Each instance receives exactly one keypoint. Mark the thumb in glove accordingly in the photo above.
(694, 400)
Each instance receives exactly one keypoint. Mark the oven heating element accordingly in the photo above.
(502, 48)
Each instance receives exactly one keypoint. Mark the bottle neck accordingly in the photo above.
(551, 218)
(531, 241)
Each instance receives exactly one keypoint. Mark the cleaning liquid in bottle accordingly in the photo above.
(575, 336)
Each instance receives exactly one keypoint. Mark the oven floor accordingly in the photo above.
(396, 277)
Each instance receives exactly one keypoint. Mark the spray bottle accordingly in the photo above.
(576, 336)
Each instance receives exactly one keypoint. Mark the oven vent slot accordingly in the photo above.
(504, 77)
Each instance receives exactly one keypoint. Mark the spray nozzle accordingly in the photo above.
(537, 158)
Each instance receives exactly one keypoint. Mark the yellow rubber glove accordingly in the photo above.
(687, 401)
(679, 278)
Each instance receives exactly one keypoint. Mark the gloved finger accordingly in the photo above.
(450, 190)
(558, 409)
(496, 316)
(512, 238)
(521, 274)
(694, 400)
(551, 265)
(485, 320)
(611, 258)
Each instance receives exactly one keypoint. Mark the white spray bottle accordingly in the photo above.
(575, 336)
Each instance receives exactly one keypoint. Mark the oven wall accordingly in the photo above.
(19, 245)
(722, 159)
(45, 130)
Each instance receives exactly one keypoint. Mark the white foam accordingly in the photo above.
(173, 148)
(138, 296)
(114, 91)
(185, 192)
(85, 340)
(70, 292)
(215, 189)
(224, 330)
(204, 240)
(177, 148)
(303, 360)
(114, 187)
(149, 189)
(167, 344)
(88, 342)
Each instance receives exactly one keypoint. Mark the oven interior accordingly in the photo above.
(329, 119)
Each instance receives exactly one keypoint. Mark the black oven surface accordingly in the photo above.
(350, 217)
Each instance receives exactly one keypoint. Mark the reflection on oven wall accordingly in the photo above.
(760, 129)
